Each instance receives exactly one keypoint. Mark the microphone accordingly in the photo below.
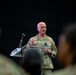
(19, 49)
(23, 34)
(20, 44)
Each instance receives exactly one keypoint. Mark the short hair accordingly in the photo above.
(70, 36)
(40, 23)
(32, 61)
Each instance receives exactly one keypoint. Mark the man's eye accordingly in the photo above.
(43, 27)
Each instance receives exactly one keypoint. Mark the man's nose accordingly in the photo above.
(44, 28)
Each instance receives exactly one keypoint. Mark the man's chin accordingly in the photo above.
(43, 33)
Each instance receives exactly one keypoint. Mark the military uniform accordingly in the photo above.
(8, 67)
(47, 64)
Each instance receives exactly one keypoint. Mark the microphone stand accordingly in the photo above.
(20, 44)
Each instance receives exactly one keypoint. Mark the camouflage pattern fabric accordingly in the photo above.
(46, 59)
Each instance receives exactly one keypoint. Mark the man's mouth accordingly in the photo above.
(43, 31)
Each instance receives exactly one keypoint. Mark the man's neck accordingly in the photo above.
(41, 35)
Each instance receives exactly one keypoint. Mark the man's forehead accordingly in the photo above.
(41, 24)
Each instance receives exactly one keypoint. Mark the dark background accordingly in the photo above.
(18, 16)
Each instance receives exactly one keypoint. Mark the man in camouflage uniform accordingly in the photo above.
(41, 39)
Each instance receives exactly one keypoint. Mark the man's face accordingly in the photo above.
(63, 50)
(41, 28)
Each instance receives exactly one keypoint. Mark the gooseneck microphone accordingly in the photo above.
(19, 49)
(20, 44)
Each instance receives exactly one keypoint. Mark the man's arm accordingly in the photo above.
(53, 49)
(31, 42)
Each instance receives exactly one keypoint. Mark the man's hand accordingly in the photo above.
(32, 42)
(47, 50)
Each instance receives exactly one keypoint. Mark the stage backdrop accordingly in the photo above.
(20, 16)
